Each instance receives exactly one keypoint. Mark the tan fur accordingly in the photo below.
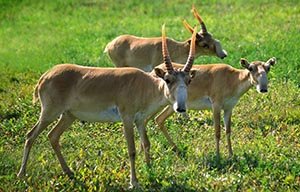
(129, 95)
(217, 87)
(85, 86)
(100, 94)
(145, 53)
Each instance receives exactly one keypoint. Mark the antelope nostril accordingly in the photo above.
(223, 56)
(263, 90)
(180, 110)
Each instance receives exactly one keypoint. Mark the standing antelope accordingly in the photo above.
(219, 87)
(145, 53)
(108, 95)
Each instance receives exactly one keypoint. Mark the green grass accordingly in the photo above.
(35, 35)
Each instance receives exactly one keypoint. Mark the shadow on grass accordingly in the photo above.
(153, 181)
(242, 162)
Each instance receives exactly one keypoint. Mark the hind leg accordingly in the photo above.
(46, 117)
(145, 143)
(65, 121)
(217, 119)
(227, 123)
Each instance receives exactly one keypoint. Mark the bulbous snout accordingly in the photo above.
(262, 86)
(221, 53)
(181, 110)
(263, 90)
(224, 55)
(181, 98)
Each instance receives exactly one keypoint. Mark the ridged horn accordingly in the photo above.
(198, 17)
(165, 52)
(187, 26)
(191, 58)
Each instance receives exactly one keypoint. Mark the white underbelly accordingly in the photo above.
(200, 104)
(110, 114)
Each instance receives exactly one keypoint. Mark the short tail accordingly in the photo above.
(35, 94)
(106, 48)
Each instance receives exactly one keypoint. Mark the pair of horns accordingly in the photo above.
(198, 17)
(166, 56)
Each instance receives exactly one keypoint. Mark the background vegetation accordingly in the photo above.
(35, 35)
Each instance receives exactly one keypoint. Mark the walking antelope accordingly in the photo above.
(219, 87)
(145, 53)
(94, 94)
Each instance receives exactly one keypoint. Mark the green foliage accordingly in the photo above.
(35, 35)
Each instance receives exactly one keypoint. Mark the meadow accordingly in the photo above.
(35, 35)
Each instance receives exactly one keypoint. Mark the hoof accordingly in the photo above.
(180, 153)
(176, 150)
(21, 174)
(148, 161)
(134, 185)
(70, 174)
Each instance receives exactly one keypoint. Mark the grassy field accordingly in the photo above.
(35, 35)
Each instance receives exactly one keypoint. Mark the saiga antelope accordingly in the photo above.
(108, 95)
(219, 87)
(145, 53)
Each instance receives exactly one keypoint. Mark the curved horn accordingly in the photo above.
(196, 14)
(187, 26)
(190, 60)
(165, 52)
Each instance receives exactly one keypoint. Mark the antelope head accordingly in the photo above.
(206, 44)
(176, 80)
(258, 73)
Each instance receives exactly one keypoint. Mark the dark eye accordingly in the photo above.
(267, 69)
(206, 46)
(251, 68)
(167, 81)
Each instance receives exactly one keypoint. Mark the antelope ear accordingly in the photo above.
(193, 73)
(244, 63)
(189, 42)
(271, 61)
(159, 72)
(198, 40)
